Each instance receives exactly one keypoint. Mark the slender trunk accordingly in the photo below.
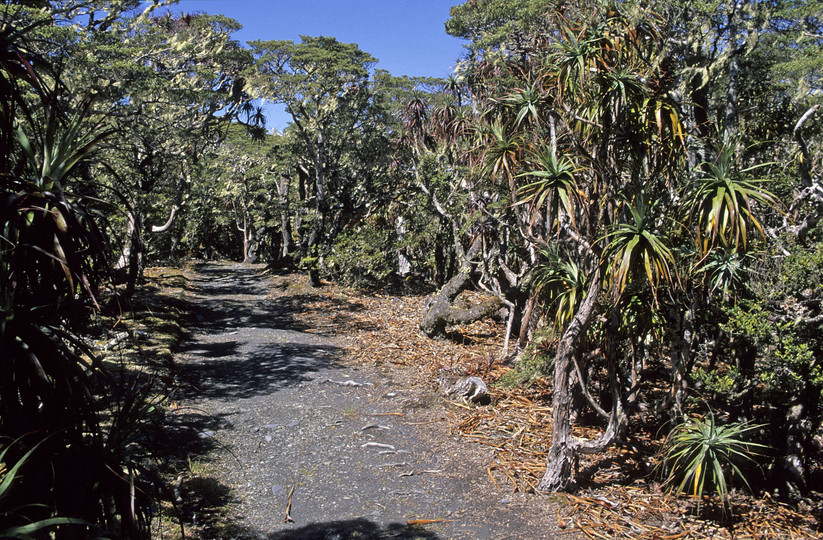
(135, 255)
(811, 195)
(403, 264)
(730, 120)
(526, 323)
(563, 452)
(322, 211)
(637, 365)
(285, 223)
(245, 232)
(680, 355)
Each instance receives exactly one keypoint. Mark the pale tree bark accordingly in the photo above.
(441, 312)
(167, 225)
(286, 243)
(403, 264)
(565, 449)
(322, 209)
(812, 192)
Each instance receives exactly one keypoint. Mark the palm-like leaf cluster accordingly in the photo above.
(561, 283)
(722, 203)
(703, 456)
(634, 246)
(724, 270)
(553, 183)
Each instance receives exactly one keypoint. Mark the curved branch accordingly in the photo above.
(582, 382)
(167, 224)
(805, 164)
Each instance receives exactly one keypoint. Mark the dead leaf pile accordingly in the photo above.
(636, 512)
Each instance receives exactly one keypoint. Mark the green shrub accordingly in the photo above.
(702, 456)
(364, 255)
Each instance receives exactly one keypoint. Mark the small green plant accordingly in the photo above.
(703, 455)
(716, 381)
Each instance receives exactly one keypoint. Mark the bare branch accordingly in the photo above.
(165, 226)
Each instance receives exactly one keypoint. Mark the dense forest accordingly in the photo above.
(635, 188)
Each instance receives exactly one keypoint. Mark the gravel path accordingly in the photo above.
(358, 453)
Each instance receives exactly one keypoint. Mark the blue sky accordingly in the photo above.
(406, 36)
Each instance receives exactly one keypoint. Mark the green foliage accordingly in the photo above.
(788, 366)
(799, 275)
(702, 456)
(715, 381)
(725, 271)
(365, 255)
(722, 202)
(79, 456)
(536, 361)
(794, 367)
(500, 25)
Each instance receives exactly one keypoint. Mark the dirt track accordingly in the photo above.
(275, 411)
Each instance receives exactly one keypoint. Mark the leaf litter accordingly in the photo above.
(618, 502)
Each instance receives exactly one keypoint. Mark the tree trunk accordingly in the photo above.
(441, 312)
(811, 196)
(322, 210)
(563, 452)
(524, 336)
(403, 264)
(680, 356)
(285, 223)
(134, 255)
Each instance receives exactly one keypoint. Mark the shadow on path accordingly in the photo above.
(351, 529)
(245, 341)
(227, 373)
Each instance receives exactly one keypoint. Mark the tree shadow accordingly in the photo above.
(360, 528)
(250, 342)
(223, 373)
(234, 299)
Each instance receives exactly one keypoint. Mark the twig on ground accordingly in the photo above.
(378, 445)
(348, 383)
(288, 506)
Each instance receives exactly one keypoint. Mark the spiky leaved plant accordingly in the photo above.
(701, 456)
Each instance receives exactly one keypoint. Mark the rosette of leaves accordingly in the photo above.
(702, 456)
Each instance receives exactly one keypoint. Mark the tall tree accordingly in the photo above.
(326, 88)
